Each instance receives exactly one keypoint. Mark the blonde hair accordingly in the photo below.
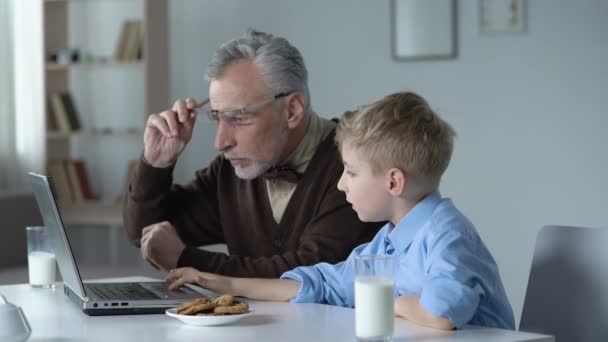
(400, 131)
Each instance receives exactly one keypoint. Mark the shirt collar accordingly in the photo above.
(401, 235)
(318, 129)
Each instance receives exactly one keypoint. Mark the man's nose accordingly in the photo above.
(224, 137)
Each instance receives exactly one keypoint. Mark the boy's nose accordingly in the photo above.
(341, 185)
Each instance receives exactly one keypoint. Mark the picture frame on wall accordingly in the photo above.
(423, 29)
(502, 16)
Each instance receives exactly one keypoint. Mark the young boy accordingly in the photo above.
(395, 151)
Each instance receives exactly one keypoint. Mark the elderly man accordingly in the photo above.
(271, 195)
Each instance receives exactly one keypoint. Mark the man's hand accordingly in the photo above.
(167, 133)
(161, 246)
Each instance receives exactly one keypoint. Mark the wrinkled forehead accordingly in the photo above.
(240, 85)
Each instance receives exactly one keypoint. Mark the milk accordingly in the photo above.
(374, 307)
(41, 269)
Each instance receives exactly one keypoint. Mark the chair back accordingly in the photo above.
(567, 294)
(17, 211)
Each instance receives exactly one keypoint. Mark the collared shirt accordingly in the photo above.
(280, 191)
(440, 258)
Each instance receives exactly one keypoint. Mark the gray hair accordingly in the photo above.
(281, 64)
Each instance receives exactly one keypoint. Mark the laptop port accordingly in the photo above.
(124, 304)
(114, 304)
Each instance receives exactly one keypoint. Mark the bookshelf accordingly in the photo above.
(97, 64)
(119, 77)
(55, 135)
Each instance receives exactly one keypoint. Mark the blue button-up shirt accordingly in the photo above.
(440, 258)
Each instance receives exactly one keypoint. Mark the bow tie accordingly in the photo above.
(285, 173)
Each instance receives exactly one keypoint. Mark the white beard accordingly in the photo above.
(255, 170)
(258, 167)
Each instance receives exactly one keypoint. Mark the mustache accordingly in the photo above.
(229, 156)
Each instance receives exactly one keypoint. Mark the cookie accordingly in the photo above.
(218, 306)
(223, 300)
(197, 306)
(191, 303)
(236, 308)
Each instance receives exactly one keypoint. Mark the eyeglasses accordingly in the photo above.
(238, 117)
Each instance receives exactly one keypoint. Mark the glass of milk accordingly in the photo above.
(374, 301)
(41, 262)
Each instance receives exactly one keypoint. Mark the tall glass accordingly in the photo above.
(41, 262)
(374, 299)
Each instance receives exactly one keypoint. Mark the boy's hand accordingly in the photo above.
(254, 288)
(408, 307)
(188, 275)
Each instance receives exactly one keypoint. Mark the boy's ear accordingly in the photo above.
(295, 109)
(397, 180)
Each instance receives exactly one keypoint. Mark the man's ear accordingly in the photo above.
(295, 109)
(397, 181)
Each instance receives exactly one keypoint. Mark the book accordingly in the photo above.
(134, 40)
(51, 123)
(83, 178)
(60, 181)
(140, 50)
(73, 181)
(71, 111)
(60, 113)
(119, 52)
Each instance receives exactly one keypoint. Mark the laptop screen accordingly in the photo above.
(42, 187)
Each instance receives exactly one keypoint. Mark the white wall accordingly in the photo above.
(530, 109)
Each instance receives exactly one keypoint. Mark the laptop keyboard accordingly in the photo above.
(121, 291)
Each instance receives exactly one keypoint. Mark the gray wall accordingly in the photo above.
(530, 108)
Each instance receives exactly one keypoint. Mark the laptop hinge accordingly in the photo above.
(70, 293)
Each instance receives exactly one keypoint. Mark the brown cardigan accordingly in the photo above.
(218, 207)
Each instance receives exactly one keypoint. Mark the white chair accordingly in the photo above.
(567, 294)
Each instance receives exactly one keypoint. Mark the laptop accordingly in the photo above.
(96, 298)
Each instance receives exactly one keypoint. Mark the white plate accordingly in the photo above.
(207, 320)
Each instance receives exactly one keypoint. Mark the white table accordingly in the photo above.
(53, 317)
